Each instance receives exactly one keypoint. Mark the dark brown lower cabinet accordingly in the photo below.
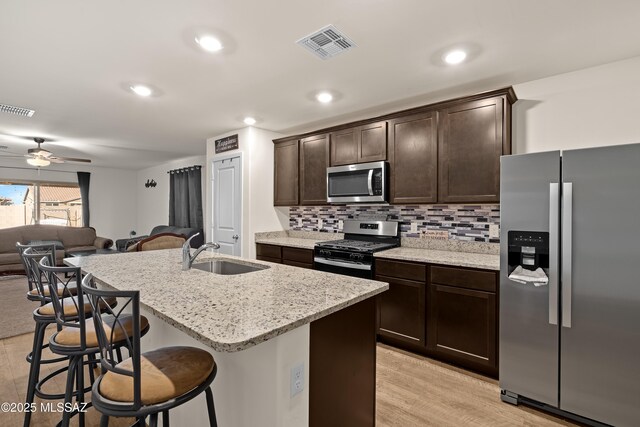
(462, 326)
(271, 253)
(449, 313)
(297, 257)
(401, 312)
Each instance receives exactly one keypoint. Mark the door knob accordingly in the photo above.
(235, 237)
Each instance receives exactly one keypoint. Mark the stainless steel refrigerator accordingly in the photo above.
(572, 345)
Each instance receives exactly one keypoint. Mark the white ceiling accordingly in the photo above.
(72, 61)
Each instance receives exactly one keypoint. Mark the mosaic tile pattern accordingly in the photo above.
(462, 222)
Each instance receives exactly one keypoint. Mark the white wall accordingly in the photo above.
(153, 203)
(112, 194)
(586, 108)
(258, 212)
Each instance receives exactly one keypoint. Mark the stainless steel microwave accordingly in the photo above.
(359, 183)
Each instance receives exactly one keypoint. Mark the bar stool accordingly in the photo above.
(39, 291)
(149, 383)
(77, 339)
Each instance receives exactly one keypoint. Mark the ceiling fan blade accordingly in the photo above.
(12, 156)
(55, 160)
(70, 159)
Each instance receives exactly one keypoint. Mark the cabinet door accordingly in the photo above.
(413, 157)
(285, 174)
(344, 147)
(401, 311)
(372, 142)
(314, 160)
(462, 325)
(470, 144)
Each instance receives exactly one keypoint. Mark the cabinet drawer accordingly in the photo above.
(402, 270)
(297, 264)
(270, 251)
(298, 255)
(464, 278)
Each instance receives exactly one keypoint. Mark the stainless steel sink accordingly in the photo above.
(227, 268)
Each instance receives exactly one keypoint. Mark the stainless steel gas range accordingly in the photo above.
(353, 256)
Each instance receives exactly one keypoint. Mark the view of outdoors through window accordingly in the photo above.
(43, 203)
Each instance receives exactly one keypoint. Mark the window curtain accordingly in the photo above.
(83, 183)
(185, 197)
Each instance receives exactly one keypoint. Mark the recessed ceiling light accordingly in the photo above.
(455, 57)
(141, 90)
(249, 121)
(324, 97)
(209, 43)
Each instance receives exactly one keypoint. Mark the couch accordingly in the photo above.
(69, 240)
(123, 244)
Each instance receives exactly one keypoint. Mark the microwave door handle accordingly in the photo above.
(370, 182)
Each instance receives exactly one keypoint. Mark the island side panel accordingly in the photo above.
(252, 387)
(342, 364)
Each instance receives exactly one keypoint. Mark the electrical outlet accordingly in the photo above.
(414, 227)
(494, 231)
(320, 224)
(297, 379)
(340, 224)
(300, 222)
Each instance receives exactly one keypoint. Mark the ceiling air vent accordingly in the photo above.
(326, 43)
(16, 110)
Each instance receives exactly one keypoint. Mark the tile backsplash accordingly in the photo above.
(462, 222)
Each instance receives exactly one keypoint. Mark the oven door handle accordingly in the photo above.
(342, 264)
(370, 182)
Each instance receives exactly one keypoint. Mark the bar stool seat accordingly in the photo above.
(165, 373)
(71, 336)
(69, 306)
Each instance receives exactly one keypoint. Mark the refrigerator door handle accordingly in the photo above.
(554, 219)
(567, 218)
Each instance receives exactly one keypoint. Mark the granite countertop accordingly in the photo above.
(430, 256)
(451, 252)
(304, 239)
(227, 312)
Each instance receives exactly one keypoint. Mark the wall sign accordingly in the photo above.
(227, 144)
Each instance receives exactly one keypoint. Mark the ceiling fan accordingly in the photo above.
(41, 157)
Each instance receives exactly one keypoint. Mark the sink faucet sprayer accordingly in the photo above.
(187, 259)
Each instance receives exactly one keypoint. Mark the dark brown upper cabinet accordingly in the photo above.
(413, 158)
(314, 160)
(344, 147)
(470, 142)
(359, 144)
(285, 185)
(448, 152)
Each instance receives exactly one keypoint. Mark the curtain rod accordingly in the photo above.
(32, 169)
(185, 169)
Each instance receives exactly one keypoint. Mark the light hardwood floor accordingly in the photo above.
(411, 391)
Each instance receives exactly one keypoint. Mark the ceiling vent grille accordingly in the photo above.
(16, 110)
(326, 43)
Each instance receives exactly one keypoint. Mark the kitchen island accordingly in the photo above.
(260, 327)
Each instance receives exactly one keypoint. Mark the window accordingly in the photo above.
(23, 203)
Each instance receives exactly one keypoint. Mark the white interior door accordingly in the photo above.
(227, 205)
